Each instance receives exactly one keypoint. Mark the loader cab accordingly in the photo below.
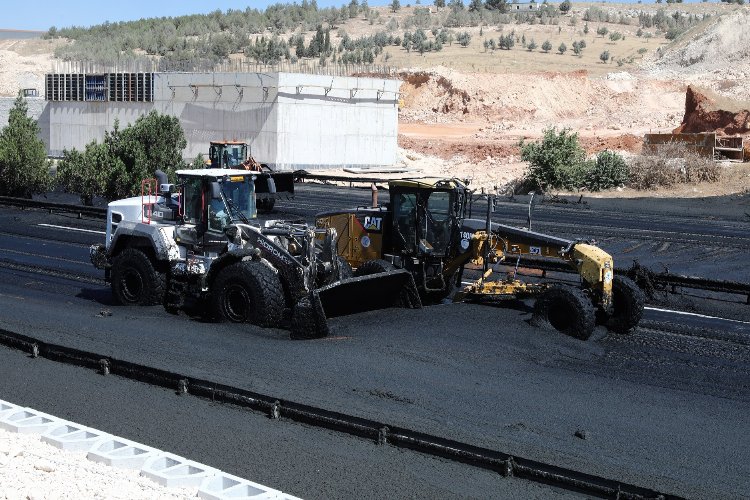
(227, 154)
(426, 216)
(213, 199)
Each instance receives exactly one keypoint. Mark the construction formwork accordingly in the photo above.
(291, 120)
(707, 144)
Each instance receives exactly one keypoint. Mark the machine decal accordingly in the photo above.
(365, 241)
(273, 251)
(535, 250)
(373, 223)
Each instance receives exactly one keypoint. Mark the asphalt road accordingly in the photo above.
(663, 408)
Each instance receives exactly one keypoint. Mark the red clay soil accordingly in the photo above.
(625, 142)
(701, 115)
(447, 149)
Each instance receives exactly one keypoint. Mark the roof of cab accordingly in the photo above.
(428, 183)
(214, 172)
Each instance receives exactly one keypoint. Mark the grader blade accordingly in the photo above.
(369, 293)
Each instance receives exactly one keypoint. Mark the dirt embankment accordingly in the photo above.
(705, 112)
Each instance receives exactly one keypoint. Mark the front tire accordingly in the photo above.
(567, 310)
(135, 280)
(248, 292)
(627, 301)
(374, 267)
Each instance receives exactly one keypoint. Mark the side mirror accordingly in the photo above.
(215, 191)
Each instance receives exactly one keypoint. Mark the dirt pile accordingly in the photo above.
(707, 112)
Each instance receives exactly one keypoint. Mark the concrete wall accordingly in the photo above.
(291, 120)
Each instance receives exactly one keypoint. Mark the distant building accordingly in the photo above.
(291, 120)
(524, 6)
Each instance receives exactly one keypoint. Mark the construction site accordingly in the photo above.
(355, 292)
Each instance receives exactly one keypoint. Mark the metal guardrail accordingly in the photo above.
(100, 213)
(379, 432)
(647, 279)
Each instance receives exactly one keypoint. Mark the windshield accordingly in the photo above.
(423, 219)
(238, 202)
(437, 223)
(228, 156)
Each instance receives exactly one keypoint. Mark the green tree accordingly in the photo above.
(557, 161)
(602, 31)
(439, 4)
(531, 45)
(464, 39)
(562, 48)
(565, 6)
(24, 168)
(546, 46)
(115, 168)
(609, 170)
(604, 56)
(475, 5)
(499, 5)
(395, 5)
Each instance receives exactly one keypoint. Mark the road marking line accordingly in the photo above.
(73, 228)
(696, 314)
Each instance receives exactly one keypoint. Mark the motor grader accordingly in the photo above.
(424, 230)
(268, 183)
(200, 241)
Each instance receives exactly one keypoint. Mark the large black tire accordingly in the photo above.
(135, 280)
(567, 310)
(374, 267)
(248, 292)
(266, 204)
(627, 301)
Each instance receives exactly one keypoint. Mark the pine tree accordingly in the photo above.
(24, 168)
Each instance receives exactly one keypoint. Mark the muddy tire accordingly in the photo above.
(374, 267)
(567, 310)
(627, 301)
(248, 292)
(266, 204)
(135, 280)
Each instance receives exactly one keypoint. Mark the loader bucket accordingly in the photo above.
(369, 293)
(353, 295)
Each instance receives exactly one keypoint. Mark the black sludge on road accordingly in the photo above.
(659, 411)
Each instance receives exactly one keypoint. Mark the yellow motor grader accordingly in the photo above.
(424, 229)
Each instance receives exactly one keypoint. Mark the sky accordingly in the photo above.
(42, 14)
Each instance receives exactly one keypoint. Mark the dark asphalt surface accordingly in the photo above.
(662, 409)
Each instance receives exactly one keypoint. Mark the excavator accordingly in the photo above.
(424, 229)
(268, 183)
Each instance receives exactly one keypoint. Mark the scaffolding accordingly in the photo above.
(115, 87)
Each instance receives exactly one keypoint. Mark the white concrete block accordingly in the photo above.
(28, 421)
(73, 437)
(122, 453)
(225, 487)
(6, 408)
(173, 471)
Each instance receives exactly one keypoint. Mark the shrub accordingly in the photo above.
(607, 171)
(546, 46)
(562, 48)
(604, 56)
(557, 161)
(671, 164)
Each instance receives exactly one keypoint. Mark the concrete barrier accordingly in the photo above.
(73, 437)
(225, 486)
(173, 471)
(27, 421)
(122, 453)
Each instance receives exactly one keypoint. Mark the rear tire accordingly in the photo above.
(135, 280)
(266, 204)
(627, 301)
(374, 267)
(248, 292)
(567, 310)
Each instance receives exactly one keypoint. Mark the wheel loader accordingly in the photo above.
(268, 184)
(200, 241)
(424, 230)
